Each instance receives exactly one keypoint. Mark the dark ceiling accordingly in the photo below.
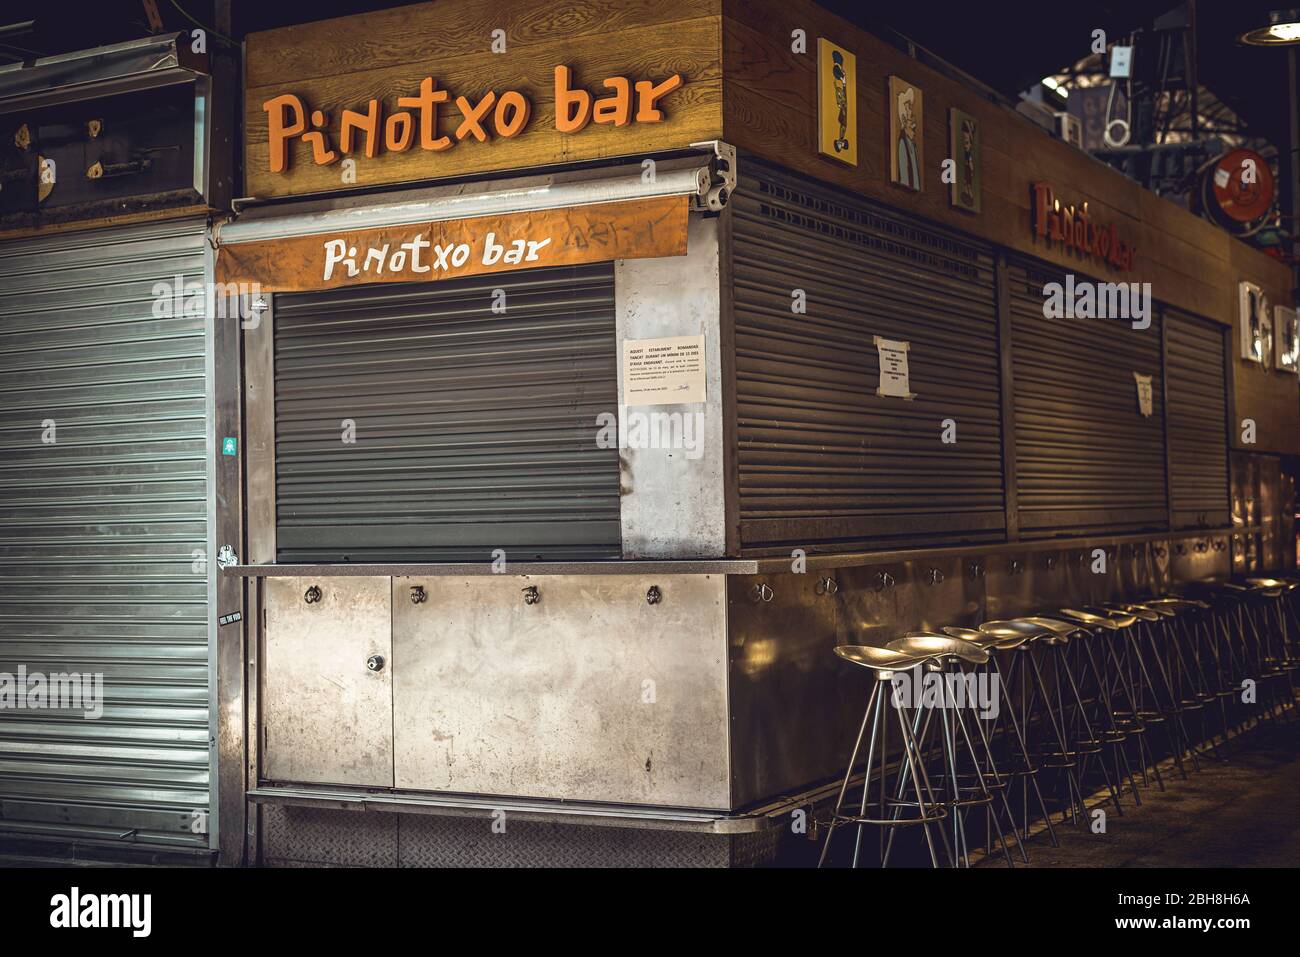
(1008, 44)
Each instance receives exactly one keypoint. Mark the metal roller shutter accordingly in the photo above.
(1197, 393)
(102, 534)
(473, 430)
(1086, 461)
(822, 458)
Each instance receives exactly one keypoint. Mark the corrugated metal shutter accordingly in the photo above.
(474, 430)
(1197, 390)
(1086, 460)
(822, 458)
(99, 532)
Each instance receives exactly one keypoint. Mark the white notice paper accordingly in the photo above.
(663, 371)
(1144, 393)
(893, 368)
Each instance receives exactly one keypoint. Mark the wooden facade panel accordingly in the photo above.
(1271, 398)
(770, 110)
(649, 51)
(432, 32)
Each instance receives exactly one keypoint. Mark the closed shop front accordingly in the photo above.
(415, 423)
(1197, 392)
(1088, 461)
(819, 277)
(104, 535)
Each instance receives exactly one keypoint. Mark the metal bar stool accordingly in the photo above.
(888, 813)
(981, 784)
(1244, 605)
(1016, 763)
(1151, 682)
(1272, 594)
(1099, 731)
(1198, 620)
(1127, 689)
(1224, 623)
(1195, 687)
(1082, 742)
(1048, 743)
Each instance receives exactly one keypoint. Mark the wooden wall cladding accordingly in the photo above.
(340, 64)
(1271, 398)
(770, 109)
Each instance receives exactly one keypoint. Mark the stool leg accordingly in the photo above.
(879, 699)
(1071, 782)
(979, 777)
(1002, 786)
(1087, 729)
(1108, 714)
(1024, 754)
(1127, 686)
(1170, 732)
(853, 759)
(916, 769)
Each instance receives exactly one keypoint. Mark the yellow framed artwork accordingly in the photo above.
(837, 102)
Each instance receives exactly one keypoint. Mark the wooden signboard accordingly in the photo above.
(467, 86)
(427, 252)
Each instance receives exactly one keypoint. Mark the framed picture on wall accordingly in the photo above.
(906, 121)
(837, 102)
(964, 148)
(1286, 333)
(1256, 325)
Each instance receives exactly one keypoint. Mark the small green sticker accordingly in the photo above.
(229, 446)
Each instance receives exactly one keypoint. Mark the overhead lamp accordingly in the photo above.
(1283, 29)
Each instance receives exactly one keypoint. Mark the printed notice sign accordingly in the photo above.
(893, 368)
(663, 371)
(1144, 393)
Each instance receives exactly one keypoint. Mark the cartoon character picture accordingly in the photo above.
(837, 121)
(1256, 329)
(964, 150)
(905, 124)
(841, 99)
(1287, 324)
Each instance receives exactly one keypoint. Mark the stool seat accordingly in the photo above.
(989, 642)
(1139, 611)
(1123, 619)
(1014, 632)
(1159, 609)
(882, 660)
(1271, 584)
(944, 646)
(1089, 618)
(1062, 629)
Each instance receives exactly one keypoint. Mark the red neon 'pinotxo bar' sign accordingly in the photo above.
(1074, 229)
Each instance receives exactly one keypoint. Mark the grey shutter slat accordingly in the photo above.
(474, 430)
(822, 458)
(1086, 461)
(100, 531)
(1198, 421)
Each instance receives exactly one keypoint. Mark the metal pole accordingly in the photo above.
(1193, 84)
(1293, 159)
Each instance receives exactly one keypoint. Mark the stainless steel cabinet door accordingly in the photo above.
(598, 691)
(328, 693)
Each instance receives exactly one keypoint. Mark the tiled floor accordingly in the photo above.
(1241, 813)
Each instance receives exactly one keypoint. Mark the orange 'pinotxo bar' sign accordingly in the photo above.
(415, 120)
(633, 229)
